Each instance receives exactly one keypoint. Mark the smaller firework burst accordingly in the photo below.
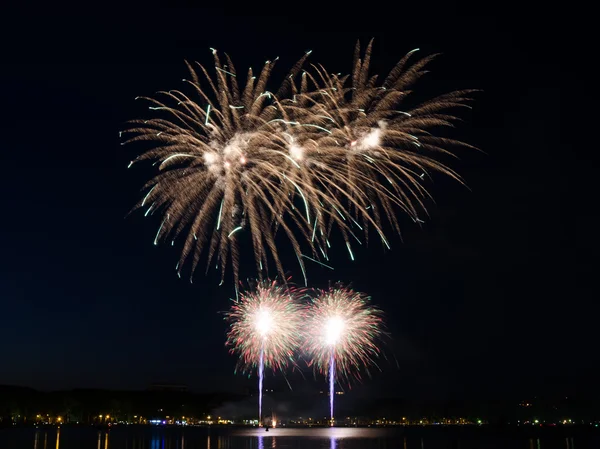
(341, 334)
(266, 320)
(342, 322)
(265, 329)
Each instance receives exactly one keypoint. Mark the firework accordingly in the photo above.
(342, 334)
(239, 161)
(373, 151)
(224, 163)
(265, 329)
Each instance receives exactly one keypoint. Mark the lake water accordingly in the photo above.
(281, 438)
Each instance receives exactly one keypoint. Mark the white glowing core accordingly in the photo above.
(210, 158)
(296, 152)
(370, 140)
(333, 330)
(264, 322)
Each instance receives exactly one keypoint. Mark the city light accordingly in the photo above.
(273, 422)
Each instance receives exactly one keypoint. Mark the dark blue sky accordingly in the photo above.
(492, 295)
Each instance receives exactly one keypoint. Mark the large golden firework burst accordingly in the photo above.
(326, 151)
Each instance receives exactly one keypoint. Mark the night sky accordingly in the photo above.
(491, 296)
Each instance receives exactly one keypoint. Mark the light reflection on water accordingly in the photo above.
(253, 438)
